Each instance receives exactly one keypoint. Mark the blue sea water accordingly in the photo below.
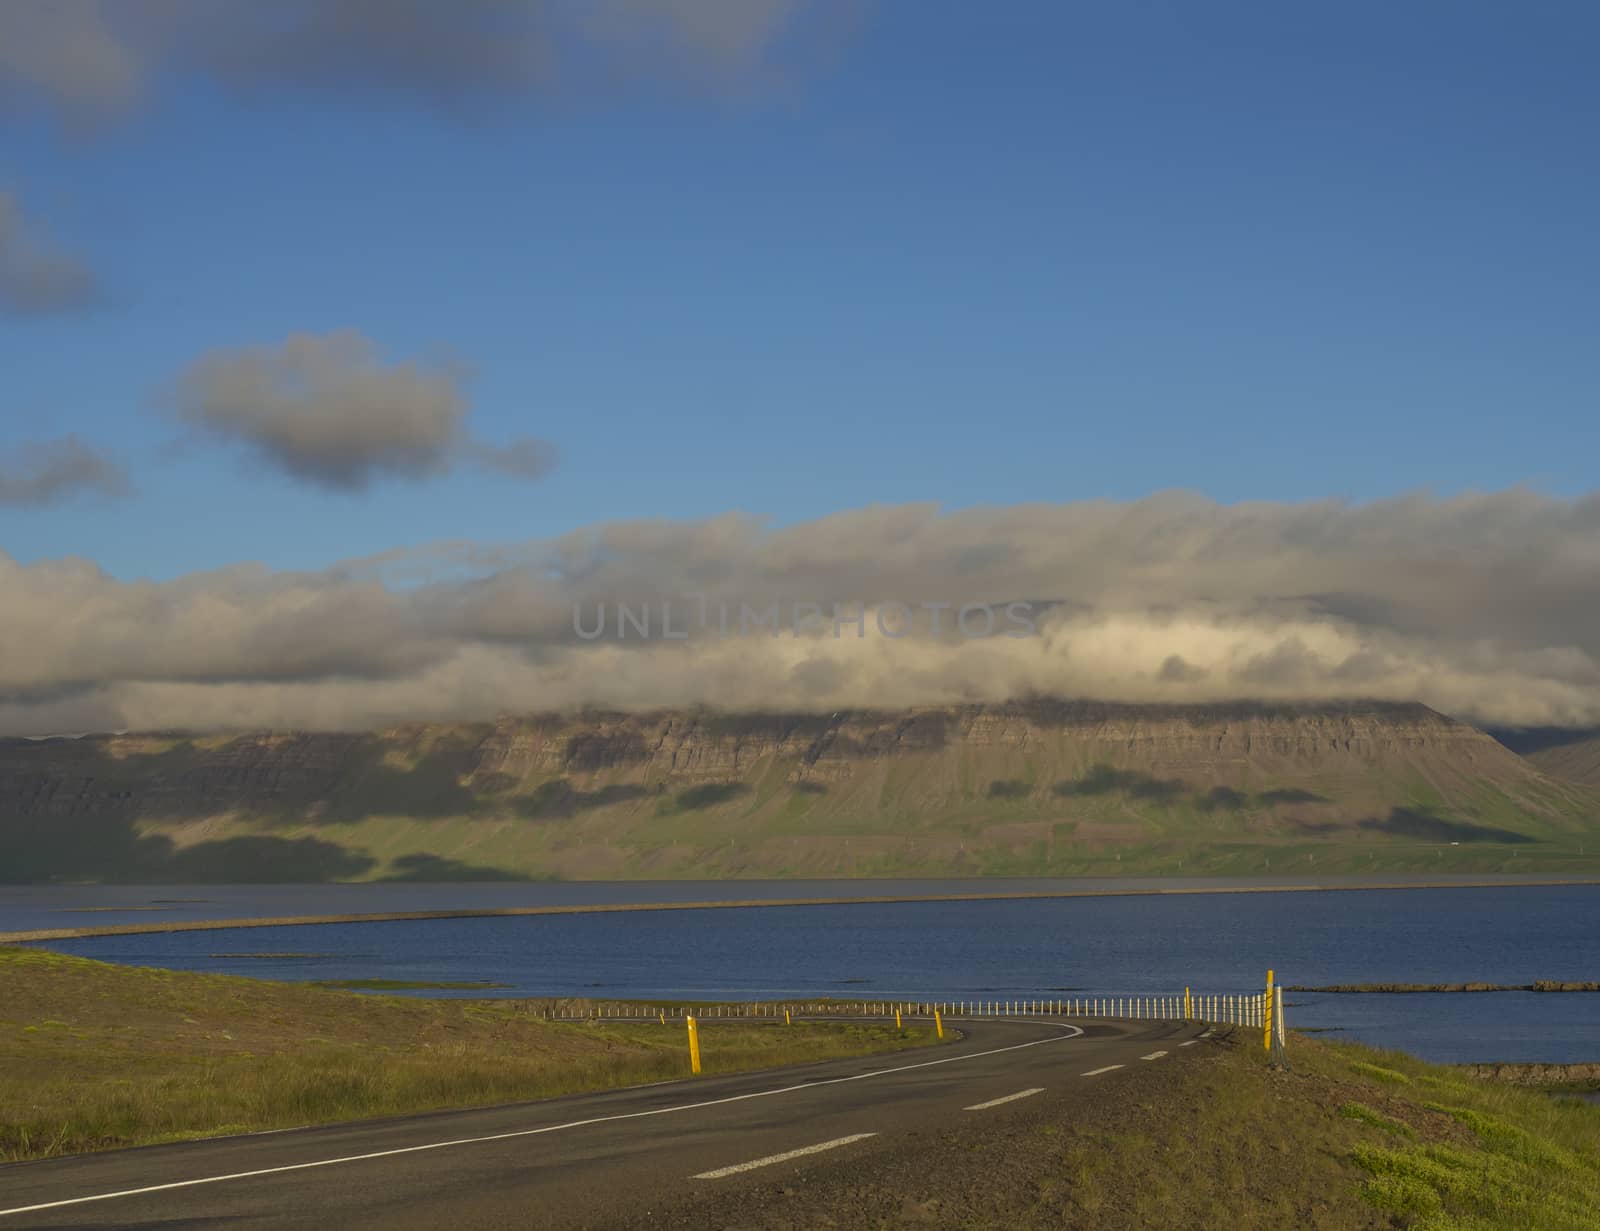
(926, 950)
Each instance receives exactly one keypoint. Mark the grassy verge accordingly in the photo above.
(1347, 1139)
(1446, 1151)
(96, 1056)
(1351, 1137)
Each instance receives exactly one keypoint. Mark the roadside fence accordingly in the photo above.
(1257, 1010)
(1245, 1010)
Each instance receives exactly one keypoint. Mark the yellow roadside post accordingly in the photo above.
(694, 1046)
(1188, 1005)
(938, 1024)
(787, 1020)
(897, 1023)
(663, 1017)
(1266, 1016)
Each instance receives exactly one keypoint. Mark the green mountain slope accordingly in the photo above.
(1027, 788)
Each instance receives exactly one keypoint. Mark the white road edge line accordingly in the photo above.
(1005, 1098)
(770, 1159)
(1155, 1055)
(1076, 1031)
(1091, 1073)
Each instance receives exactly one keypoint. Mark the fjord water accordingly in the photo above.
(948, 950)
(26, 907)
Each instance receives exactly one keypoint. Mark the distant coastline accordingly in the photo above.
(206, 925)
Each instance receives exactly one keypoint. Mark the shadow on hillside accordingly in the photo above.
(433, 868)
(1106, 780)
(1320, 829)
(1291, 795)
(265, 860)
(289, 780)
(1010, 788)
(429, 788)
(709, 795)
(806, 787)
(110, 848)
(1221, 799)
(557, 799)
(1415, 823)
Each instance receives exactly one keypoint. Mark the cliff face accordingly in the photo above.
(172, 776)
(1207, 739)
(164, 775)
(1029, 786)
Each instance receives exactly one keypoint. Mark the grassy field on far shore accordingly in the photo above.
(97, 1056)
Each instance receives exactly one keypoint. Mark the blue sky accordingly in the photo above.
(963, 254)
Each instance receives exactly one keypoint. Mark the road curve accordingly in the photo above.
(588, 1159)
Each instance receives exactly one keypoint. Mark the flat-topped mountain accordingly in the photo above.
(1031, 787)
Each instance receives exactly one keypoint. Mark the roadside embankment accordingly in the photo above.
(1347, 1138)
(95, 1056)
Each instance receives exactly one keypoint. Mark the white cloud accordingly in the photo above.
(1484, 606)
(328, 410)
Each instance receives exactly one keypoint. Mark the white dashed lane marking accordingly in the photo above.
(1155, 1055)
(1097, 1072)
(1006, 1098)
(770, 1159)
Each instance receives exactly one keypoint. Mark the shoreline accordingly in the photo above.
(36, 935)
(1407, 989)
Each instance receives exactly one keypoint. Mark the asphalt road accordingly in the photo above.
(590, 1160)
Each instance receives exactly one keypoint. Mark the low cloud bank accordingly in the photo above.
(1484, 606)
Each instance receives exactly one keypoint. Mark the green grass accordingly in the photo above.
(1345, 1138)
(1366, 1115)
(861, 831)
(1377, 1072)
(1218, 1139)
(407, 803)
(1450, 1151)
(95, 1056)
